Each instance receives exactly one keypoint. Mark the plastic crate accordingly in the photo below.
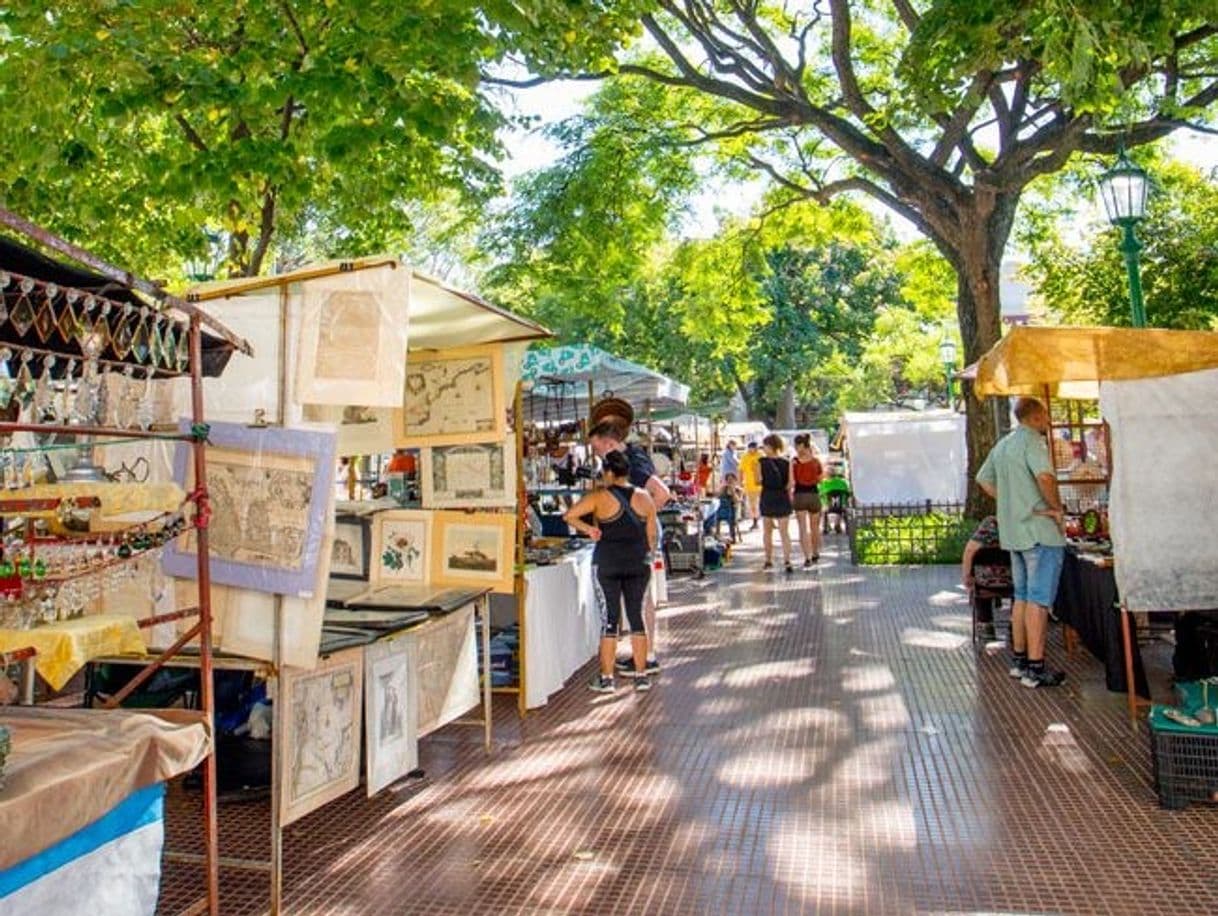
(1185, 761)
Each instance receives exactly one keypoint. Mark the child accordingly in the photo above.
(730, 495)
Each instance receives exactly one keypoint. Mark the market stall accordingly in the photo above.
(79, 571)
(1150, 435)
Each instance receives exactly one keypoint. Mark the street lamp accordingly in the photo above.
(1123, 189)
(947, 356)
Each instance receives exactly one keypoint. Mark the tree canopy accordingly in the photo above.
(143, 122)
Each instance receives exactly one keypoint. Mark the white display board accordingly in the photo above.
(907, 457)
(1164, 495)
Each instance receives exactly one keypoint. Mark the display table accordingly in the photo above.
(81, 803)
(65, 647)
(563, 629)
(1087, 602)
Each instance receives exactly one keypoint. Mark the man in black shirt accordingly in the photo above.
(609, 436)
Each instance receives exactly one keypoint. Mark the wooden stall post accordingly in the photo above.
(521, 587)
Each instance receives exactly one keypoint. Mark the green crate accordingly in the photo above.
(1185, 761)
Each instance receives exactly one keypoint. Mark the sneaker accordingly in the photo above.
(601, 684)
(767, 565)
(653, 666)
(642, 685)
(808, 563)
(788, 568)
(986, 632)
(1018, 670)
(625, 666)
(1043, 678)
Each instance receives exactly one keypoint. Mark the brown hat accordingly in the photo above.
(611, 408)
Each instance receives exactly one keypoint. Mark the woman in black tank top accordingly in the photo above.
(625, 533)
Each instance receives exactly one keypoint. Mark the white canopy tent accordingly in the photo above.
(568, 372)
(907, 456)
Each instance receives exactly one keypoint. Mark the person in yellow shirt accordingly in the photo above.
(750, 479)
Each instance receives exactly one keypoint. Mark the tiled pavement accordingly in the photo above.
(828, 742)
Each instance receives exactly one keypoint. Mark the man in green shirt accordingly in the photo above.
(1019, 474)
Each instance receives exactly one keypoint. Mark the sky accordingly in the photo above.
(553, 102)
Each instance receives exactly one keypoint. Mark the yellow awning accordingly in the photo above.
(1070, 362)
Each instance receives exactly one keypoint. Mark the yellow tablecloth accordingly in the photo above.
(65, 647)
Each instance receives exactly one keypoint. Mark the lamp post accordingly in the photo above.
(947, 356)
(1123, 189)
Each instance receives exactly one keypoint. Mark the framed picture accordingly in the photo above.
(474, 549)
(353, 333)
(467, 476)
(322, 717)
(352, 547)
(453, 396)
(272, 493)
(391, 713)
(401, 546)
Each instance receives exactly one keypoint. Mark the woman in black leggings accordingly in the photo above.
(625, 534)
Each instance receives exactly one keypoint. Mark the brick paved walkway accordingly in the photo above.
(828, 742)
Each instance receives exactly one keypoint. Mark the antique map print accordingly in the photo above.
(455, 398)
(322, 715)
(445, 657)
(348, 330)
(261, 505)
(463, 476)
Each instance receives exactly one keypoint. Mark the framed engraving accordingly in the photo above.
(474, 549)
(401, 547)
(391, 713)
(352, 547)
(322, 717)
(469, 476)
(452, 396)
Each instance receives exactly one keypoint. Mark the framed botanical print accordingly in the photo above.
(467, 476)
(352, 548)
(401, 547)
(453, 396)
(322, 717)
(390, 713)
(474, 549)
(271, 492)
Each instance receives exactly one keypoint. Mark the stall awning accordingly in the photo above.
(441, 317)
(549, 368)
(1071, 362)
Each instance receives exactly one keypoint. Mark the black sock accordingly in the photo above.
(1021, 659)
(1036, 666)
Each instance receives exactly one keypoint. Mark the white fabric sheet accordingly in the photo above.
(1164, 494)
(562, 625)
(907, 457)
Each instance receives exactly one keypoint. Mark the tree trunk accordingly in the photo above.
(979, 311)
(786, 407)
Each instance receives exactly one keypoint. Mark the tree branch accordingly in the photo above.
(908, 14)
(291, 16)
(192, 136)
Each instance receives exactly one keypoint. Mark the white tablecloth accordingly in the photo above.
(562, 624)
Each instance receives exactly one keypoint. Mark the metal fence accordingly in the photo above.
(902, 534)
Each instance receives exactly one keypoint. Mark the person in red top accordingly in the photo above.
(807, 471)
(704, 474)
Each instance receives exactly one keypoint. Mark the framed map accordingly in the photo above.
(401, 546)
(391, 713)
(474, 549)
(452, 396)
(322, 717)
(469, 476)
(271, 494)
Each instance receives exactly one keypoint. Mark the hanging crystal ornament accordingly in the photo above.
(22, 315)
(68, 324)
(5, 279)
(25, 377)
(124, 332)
(169, 346)
(6, 379)
(44, 317)
(66, 400)
(88, 394)
(43, 392)
(101, 327)
(144, 410)
(141, 345)
(125, 408)
(183, 348)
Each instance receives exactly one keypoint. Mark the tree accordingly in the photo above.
(135, 125)
(944, 111)
(1086, 284)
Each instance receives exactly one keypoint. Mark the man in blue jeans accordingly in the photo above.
(1019, 474)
